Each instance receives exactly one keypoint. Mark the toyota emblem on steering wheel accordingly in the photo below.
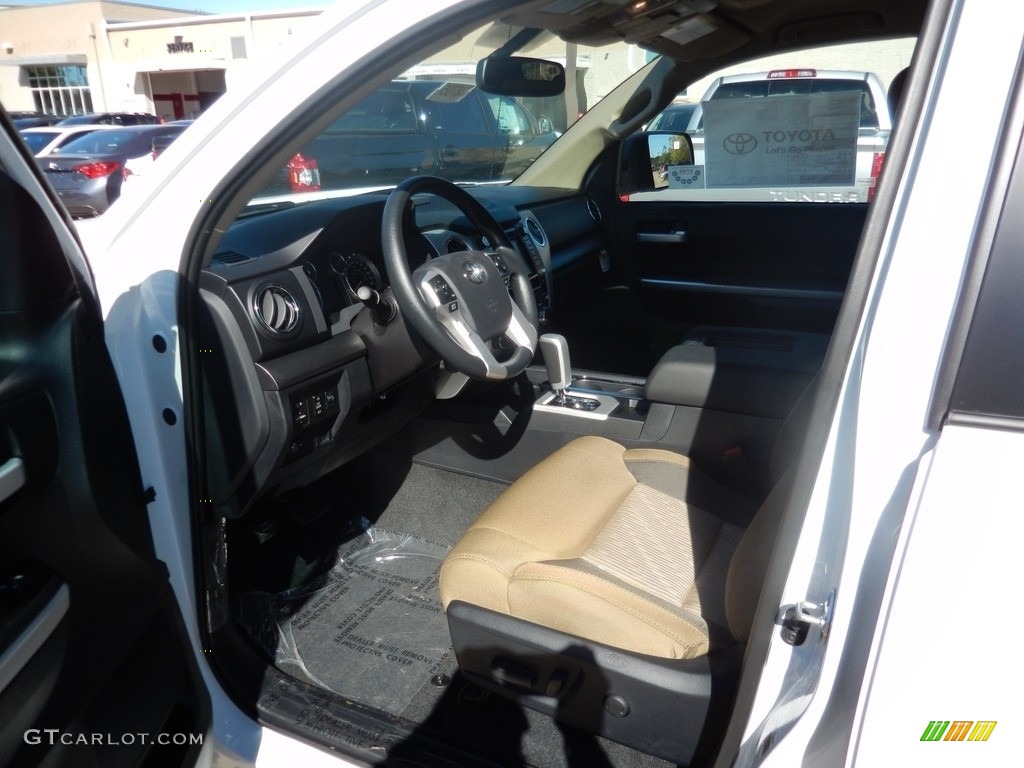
(474, 272)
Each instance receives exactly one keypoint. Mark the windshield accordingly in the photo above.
(432, 119)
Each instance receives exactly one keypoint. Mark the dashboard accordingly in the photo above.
(306, 359)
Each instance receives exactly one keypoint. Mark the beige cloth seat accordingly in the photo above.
(632, 548)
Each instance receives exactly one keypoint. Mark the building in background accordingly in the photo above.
(79, 57)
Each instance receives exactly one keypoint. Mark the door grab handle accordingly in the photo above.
(678, 236)
(12, 478)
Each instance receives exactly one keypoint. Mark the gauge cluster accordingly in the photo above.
(356, 271)
(337, 273)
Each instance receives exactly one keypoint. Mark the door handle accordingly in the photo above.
(676, 236)
(12, 478)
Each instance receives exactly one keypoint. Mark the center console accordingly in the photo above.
(591, 403)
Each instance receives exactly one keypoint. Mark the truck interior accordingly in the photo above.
(494, 474)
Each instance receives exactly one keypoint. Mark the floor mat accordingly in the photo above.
(371, 629)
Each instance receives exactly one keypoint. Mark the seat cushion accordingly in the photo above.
(629, 548)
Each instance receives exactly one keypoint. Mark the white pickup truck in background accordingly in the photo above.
(789, 135)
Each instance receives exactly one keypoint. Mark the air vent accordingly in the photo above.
(230, 257)
(276, 309)
(535, 231)
(595, 211)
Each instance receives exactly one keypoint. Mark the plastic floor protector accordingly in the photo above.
(371, 629)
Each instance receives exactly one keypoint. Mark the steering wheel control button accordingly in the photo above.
(503, 270)
(499, 262)
(444, 292)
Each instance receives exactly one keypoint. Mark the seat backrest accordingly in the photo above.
(750, 560)
(791, 434)
(895, 94)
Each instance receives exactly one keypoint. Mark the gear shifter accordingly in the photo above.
(560, 399)
(555, 349)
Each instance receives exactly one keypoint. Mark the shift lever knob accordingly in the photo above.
(555, 349)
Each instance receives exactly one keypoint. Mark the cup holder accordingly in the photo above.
(613, 388)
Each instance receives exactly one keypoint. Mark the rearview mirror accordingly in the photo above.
(520, 76)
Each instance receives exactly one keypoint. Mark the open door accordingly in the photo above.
(94, 665)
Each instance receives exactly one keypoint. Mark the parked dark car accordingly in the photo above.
(87, 172)
(442, 128)
(33, 119)
(113, 118)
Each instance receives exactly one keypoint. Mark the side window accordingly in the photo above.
(988, 383)
(811, 127)
(509, 116)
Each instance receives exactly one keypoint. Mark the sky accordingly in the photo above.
(203, 6)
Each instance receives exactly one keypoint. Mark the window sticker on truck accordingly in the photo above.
(789, 140)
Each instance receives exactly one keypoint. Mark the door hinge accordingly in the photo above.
(798, 620)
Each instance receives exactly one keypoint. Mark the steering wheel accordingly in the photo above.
(460, 303)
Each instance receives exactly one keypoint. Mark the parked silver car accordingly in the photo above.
(87, 172)
(44, 139)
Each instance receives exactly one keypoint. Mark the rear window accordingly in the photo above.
(760, 89)
(99, 142)
(113, 140)
(36, 141)
(676, 118)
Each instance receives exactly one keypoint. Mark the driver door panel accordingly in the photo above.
(91, 642)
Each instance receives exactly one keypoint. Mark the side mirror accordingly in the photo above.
(647, 157)
(544, 125)
(520, 76)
